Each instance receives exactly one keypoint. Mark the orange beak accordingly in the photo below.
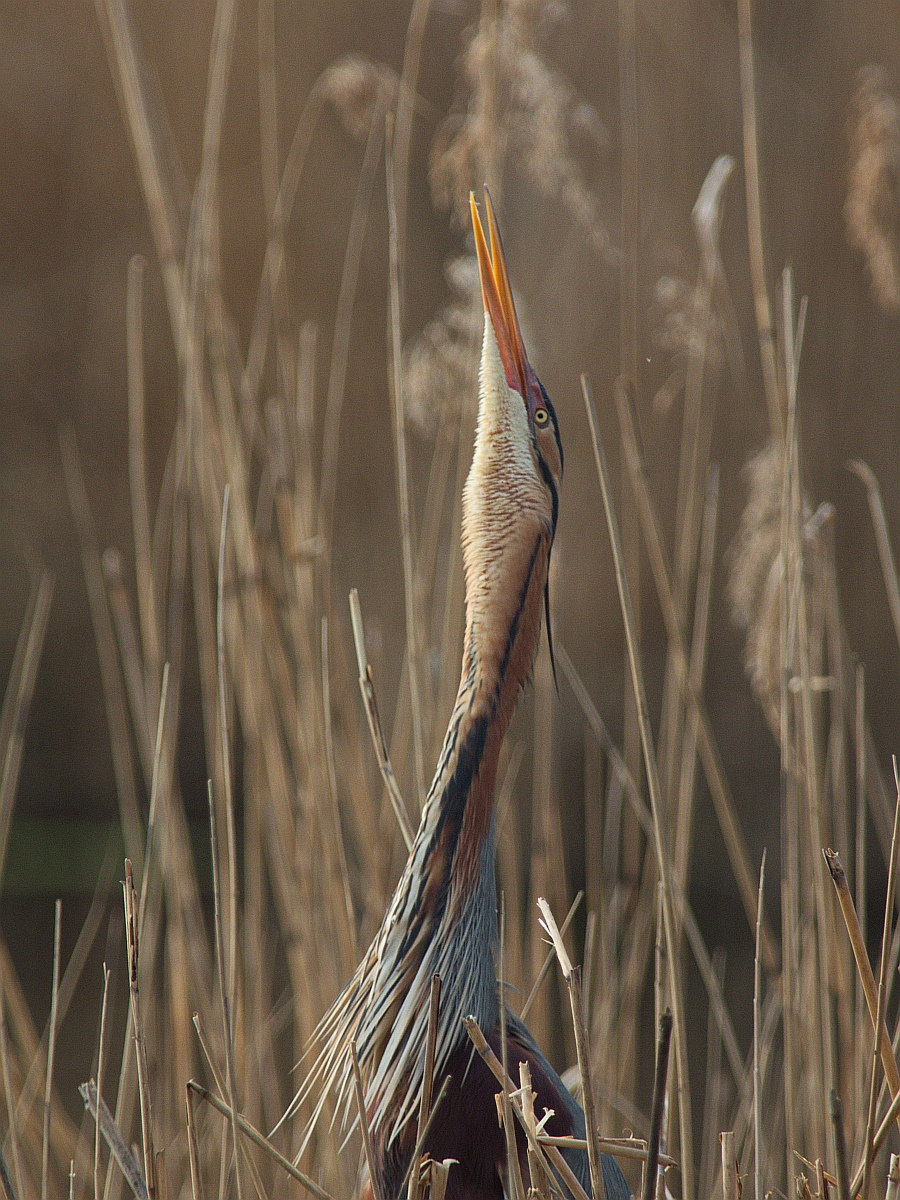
(498, 300)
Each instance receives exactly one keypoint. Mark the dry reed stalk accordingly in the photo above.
(548, 960)
(116, 709)
(686, 916)
(762, 306)
(193, 1148)
(699, 643)
(573, 985)
(893, 1186)
(539, 1185)
(879, 1010)
(684, 1114)
(101, 1047)
(731, 1188)
(543, 808)
(51, 1049)
(413, 643)
(882, 538)
(225, 995)
(415, 1191)
(337, 375)
(629, 365)
(866, 977)
(545, 1153)
(340, 870)
(12, 1124)
(515, 1186)
(132, 935)
(18, 696)
(840, 1142)
(634, 1149)
(718, 785)
(142, 124)
(137, 467)
(822, 1181)
(799, 616)
(370, 702)
(112, 1135)
(368, 1148)
(651, 1166)
(406, 94)
(697, 422)
(260, 1140)
(758, 1148)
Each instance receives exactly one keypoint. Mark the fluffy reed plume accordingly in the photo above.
(517, 103)
(687, 328)
(872, 209)
(358, 89)
(684, 326)
(756, 577)
(438, 365)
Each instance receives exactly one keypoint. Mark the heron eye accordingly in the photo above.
(541, 417)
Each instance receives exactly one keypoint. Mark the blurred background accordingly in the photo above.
(596, 186)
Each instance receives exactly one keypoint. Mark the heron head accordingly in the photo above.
(518, 375)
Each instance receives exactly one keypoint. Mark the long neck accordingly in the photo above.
(497, 662)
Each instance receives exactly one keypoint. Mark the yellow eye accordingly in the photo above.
(541, 417)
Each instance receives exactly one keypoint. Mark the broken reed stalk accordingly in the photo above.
(370, 702)
(140, 1050)
(516, 1187)
(193, 1149)
(539, 1187)
(651, 1167)
(545, 1151)
(118, 1147)
(867, 979)
(368, 1148)
(260, 1140)
(415, 1187)
(634, 1149)
(220, 964)
(51, 1050)
(840, 1146)
(551, 954)
(582, 1048)
(420, 1144)
(730, 1183)
(660, 840)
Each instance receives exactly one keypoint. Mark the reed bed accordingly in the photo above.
(315, 784)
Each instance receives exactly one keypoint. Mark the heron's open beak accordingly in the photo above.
(498, 301)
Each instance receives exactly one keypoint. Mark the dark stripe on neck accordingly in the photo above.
(471, 734)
